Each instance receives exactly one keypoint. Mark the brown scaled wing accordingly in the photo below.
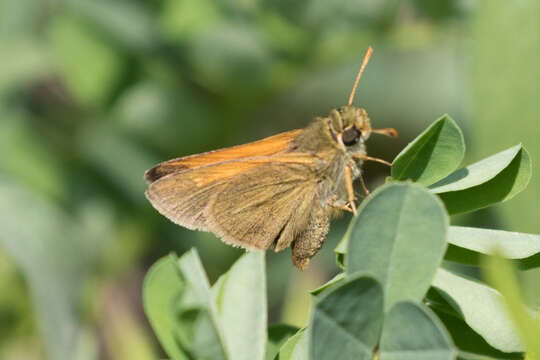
(252, 195)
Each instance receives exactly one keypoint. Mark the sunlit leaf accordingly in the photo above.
(495, 179)
(162, 289)
(240, 297)
(204, 336)
(471, 345)
(466, 244)
(400, 230)
(296, 348)
(432, 155)
(482, 309)
(336, 279)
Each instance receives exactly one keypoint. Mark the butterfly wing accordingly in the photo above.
(267, 205)
(266, 147)
(251, 202)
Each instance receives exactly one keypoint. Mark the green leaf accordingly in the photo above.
(336, 279)
(500, 273)
(495, 179)
(296, 348)
(193, 271)
(241, 306)
(400, 230)
(346, 322)
(202, 331)
(477, 173)
(177, 301)
(412, 331)
(278, 335)
(162, 289)
(341, 248)
(481, 308)
(466, 245)
(434, 154)
(471, 345)
(472, 356)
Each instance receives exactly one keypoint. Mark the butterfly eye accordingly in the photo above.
(350, 136)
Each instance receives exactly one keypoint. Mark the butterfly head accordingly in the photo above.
(352, 125)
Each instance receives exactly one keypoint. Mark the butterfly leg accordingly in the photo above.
(369, 158)
(364, 187)
(350, 188)
(345, 207)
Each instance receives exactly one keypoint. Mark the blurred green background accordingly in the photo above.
(94, 92)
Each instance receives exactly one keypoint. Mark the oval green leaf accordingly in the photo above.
(434, 154)
(481, 308)
(399, 236)
(412, 332)
(467, 244)
(162, 290)
(495, 179)
(477, 173)
(471, 345)
(201, 329)
(240, 296)
(512, 245)
(346, 322)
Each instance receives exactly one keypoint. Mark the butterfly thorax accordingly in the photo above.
(336, 139)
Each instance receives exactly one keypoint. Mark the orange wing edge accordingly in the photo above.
(268, 146)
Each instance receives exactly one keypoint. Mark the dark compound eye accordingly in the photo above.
(350, 136)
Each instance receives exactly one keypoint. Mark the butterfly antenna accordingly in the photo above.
(364, 63)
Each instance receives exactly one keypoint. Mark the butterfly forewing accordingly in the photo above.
(266, 147)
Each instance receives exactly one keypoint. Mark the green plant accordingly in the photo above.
(411, 286)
